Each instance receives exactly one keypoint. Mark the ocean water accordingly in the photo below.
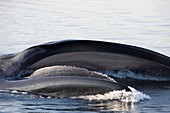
(144, 23)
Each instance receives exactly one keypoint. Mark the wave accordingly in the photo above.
(128, 74)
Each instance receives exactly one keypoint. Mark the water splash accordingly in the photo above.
(126, 73)
(121, 95)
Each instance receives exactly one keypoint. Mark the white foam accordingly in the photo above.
(19, 92)
(122, 95)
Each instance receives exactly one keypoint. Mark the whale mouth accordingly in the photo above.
(44, 69)
(67, 81)
(74, 82)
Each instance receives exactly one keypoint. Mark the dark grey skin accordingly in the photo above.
(92, 55)
(63, 86)
(64, 81)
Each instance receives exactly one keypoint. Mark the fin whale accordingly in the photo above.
(88, 54)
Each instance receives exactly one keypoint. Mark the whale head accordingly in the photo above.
(8, 68)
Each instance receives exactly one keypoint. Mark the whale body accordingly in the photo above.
(83, 54)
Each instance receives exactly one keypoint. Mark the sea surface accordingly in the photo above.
(143, 23)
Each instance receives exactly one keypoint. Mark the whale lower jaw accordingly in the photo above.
(63, 86)
(71, 91)
(64, 81)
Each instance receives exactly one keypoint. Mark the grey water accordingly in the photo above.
(143, 23)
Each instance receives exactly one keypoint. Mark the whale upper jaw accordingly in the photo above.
(93, 55)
